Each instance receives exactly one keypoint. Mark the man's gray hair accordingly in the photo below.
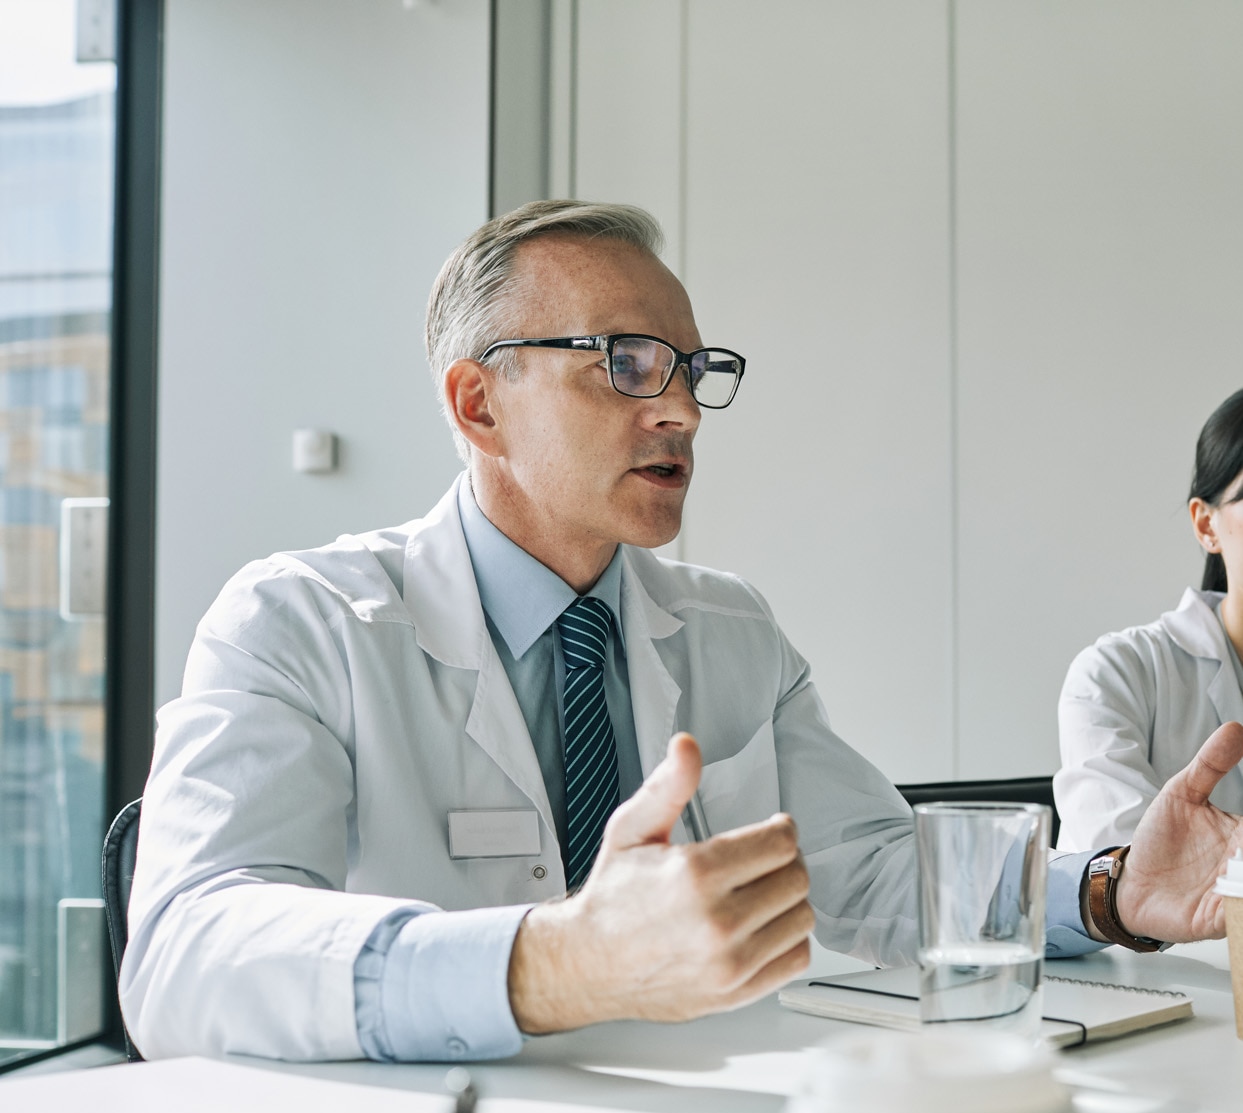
(470, 308)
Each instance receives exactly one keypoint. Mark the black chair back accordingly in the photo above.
(120, 851)
(1019, 790)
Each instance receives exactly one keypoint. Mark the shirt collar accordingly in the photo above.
(520, 595)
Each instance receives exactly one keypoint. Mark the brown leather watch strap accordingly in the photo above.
(1103, 874)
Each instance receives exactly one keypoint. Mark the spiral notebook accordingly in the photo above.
(1075, 1012)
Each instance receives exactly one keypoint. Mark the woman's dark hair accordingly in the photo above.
(1219, 460)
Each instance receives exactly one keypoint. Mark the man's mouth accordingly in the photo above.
(665, 473)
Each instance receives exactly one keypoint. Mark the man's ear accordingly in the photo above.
(1202, 524)
(469, 400)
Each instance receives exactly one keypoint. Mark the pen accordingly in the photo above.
(695, 820)
(458, 1083)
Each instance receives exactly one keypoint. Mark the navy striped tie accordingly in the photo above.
(591, 791)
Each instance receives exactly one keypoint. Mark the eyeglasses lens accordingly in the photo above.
(714, 378)
(642, 367)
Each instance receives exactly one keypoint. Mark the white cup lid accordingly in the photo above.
(934, 1071)
(1230, 884)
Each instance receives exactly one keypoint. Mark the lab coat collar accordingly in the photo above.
(521, 596)
(439, 590)
(1196, 629)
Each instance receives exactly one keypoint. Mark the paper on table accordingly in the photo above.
(208, 1086)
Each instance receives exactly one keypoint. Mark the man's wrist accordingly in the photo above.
(1098, 903)
(548, 981)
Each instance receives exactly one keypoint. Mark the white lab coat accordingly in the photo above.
(1135, 708)
(340, 702)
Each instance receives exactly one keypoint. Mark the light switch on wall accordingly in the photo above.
(314, 451)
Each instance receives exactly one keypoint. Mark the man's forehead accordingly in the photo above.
(581, 283)
(572, 254)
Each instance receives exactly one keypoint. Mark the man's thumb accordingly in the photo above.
(649, 815)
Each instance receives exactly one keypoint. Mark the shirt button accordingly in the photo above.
(457, 1047)
(539, 873)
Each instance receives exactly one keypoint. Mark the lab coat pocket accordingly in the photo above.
(742, 788)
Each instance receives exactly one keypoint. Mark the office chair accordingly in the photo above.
(120, 850)
(1020, 790)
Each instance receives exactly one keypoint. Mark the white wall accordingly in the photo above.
(1100, 321)
(814, 244)
(320, 161)
(984, 261)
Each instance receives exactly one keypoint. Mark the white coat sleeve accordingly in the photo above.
(242, 938)
(855, 829)
(1105, 724)
(856, 832)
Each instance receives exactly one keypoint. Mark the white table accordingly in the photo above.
(742, 1062)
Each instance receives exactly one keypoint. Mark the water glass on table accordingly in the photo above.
(983, 879)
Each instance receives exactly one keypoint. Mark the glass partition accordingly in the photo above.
(57, 154)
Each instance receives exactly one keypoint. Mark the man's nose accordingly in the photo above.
(677, 405)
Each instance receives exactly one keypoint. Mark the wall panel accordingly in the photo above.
(816, 243)
(320, 161)
(1100, 263)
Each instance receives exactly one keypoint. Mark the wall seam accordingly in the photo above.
(572, 168)
(955, 663)
(492, 96)
(683, 163)
(683, 131)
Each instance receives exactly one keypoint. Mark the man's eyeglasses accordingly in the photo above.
(643, 366)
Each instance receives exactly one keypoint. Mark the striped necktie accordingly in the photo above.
(591, 791)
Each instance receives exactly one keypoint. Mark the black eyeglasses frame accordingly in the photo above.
(606, 344)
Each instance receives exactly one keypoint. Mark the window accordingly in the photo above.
(57, 171)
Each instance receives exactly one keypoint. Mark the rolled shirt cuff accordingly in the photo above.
(435, 986)
(1065, 934)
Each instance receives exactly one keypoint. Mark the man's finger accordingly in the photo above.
(649, 815)
(746, 854)
(774, 974)
(1221, 753)
(751, 907)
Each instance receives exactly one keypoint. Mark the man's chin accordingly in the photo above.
(652, 535)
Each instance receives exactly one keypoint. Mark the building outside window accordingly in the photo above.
(57, 169)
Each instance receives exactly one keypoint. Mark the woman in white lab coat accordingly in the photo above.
(1137, 705)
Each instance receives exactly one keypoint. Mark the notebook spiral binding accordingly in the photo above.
(1112, 985)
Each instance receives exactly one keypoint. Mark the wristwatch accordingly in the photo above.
(1103, 874)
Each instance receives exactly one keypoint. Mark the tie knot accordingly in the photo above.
(584, 628)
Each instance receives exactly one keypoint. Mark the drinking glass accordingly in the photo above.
(983, 877)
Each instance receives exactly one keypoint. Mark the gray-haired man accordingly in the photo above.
(394, 754)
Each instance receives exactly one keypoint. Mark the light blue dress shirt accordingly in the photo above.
(429, 986)
(522, 600)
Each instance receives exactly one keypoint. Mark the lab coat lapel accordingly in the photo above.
(443, 600)
(1225, 695)
(496, 724)
(654, 694)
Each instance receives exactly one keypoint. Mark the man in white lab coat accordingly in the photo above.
(357, 834)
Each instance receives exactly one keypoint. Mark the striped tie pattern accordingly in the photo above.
(591, 791)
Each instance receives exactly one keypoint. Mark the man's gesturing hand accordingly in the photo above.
(665, 932)
(1180, 847)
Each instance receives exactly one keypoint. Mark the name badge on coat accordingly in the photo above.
(494, 834)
